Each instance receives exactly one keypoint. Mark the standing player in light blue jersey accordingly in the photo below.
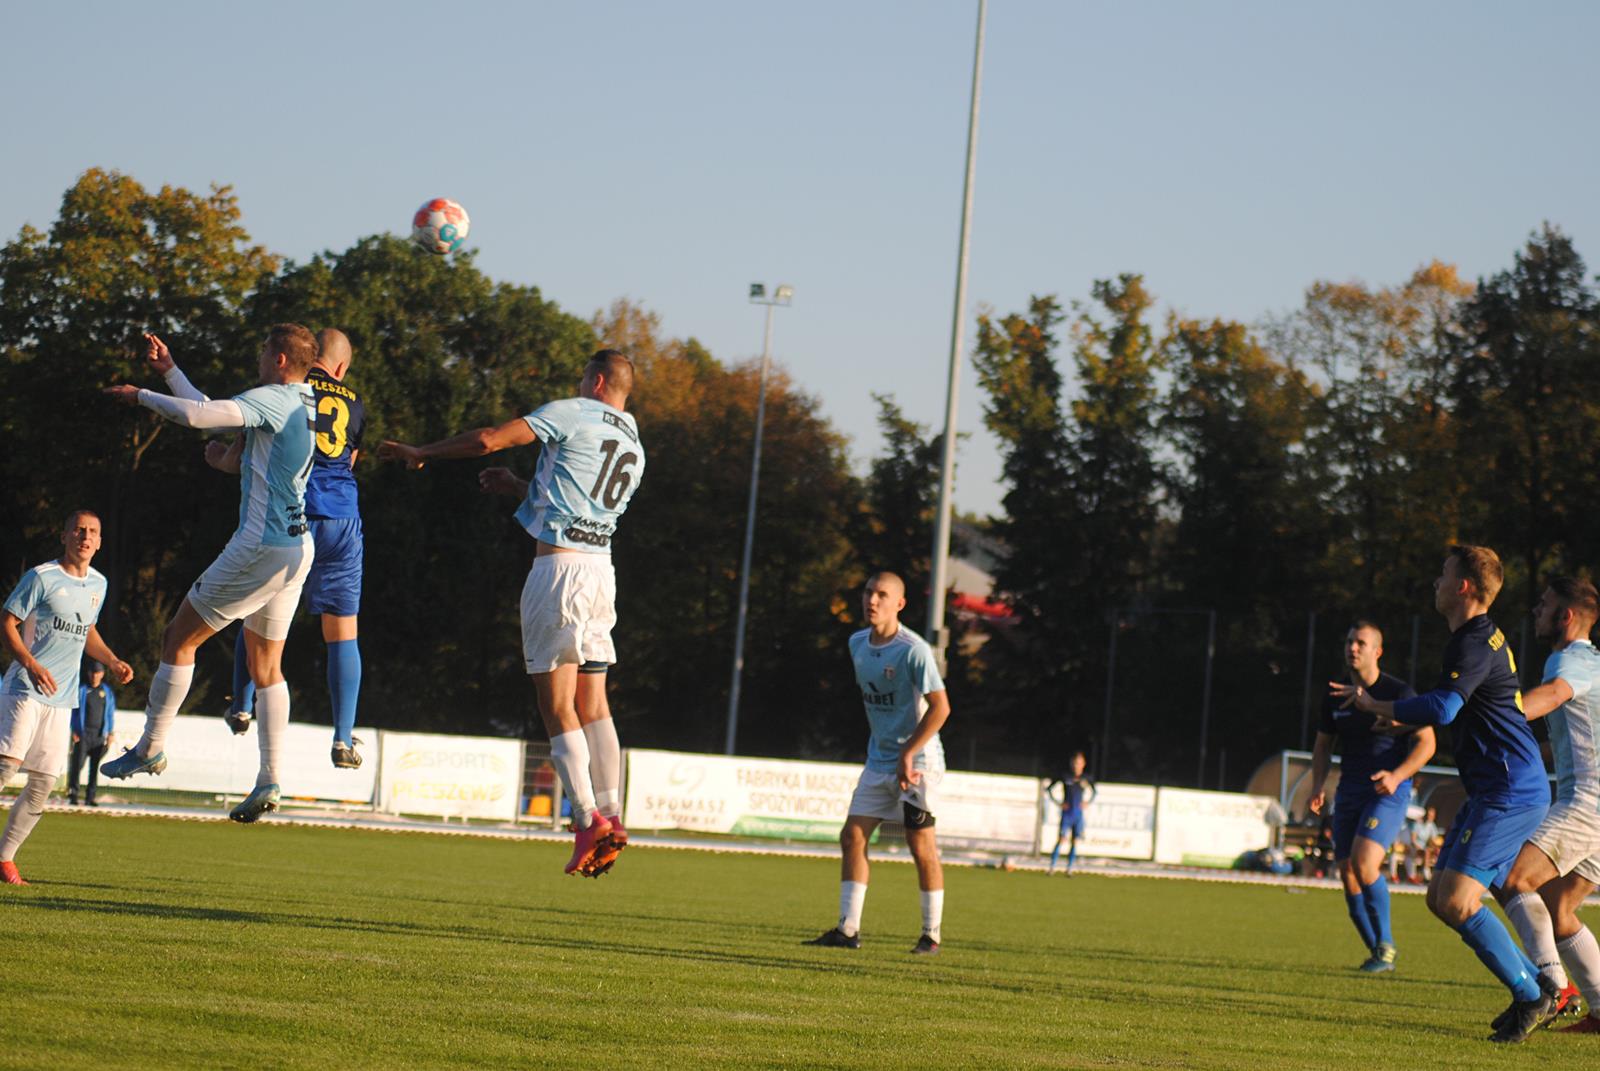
(48, 623)
(589, 467)
(258, 576)
(906, 705)
(1507, 793)
(1560, 864)
(333, 587)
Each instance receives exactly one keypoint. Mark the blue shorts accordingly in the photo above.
(1072, 822)
(1485, 840)
(334, 583)
(1378, 818)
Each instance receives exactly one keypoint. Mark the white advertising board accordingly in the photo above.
(203, 755)
(449, 776)
(992, 811)
(1119, 823)
(728, 794)
(809, 800)
(1209, 828)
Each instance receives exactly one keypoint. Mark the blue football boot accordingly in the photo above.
(263, 799)
(129, 763)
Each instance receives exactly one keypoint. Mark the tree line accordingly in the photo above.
(1318, 462)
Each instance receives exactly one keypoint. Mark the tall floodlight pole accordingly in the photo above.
(941, 531)
(783, 295)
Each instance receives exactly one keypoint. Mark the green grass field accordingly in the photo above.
(160, 943)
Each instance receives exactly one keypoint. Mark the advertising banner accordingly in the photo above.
(727, 794)
(450, 776)
(1119, 823)
(793, 800)
(1209, 828)
(203, 755)
(988, 811)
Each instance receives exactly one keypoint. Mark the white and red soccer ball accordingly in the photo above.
(440, 226)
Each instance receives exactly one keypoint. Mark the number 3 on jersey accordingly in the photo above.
(334, 415)
(613, 481)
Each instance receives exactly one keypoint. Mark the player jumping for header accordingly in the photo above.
(589, 468)
(258, 576)
(333, 587)
(906, 705)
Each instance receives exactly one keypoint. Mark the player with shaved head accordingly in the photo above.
(906, 706)
(590, 465)
(333, 587)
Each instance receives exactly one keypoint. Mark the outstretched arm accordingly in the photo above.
(224, 413)
(1537, 702)
(475, 443)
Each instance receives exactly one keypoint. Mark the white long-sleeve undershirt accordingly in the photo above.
(192, 413)
(179, 385)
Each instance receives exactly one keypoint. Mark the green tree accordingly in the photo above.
(1523, 394)
(119, 260)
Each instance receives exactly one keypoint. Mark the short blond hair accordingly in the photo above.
(1480, 567)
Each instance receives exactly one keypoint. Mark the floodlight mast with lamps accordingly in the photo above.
(783, 295)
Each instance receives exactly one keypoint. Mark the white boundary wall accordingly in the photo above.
(203, 755)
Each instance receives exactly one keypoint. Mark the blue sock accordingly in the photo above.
(1489, 938)
(1376, 897)
(344, 686)
(1072, 853)
(244, 689)
(1055, 855)
(1358, 915)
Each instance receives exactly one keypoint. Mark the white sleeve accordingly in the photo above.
(179, 385)
(193, 414)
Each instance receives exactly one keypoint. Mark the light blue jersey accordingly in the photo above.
(590, 467)
(1575, 724)
(894, 680)
(280, 429)
(57, 611)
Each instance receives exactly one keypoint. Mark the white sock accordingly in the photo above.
(168, 688)
(932, 913)
(852, 896)
(569, 752)
(25, 814)
(272, 723)
(1582, 954)
(605, 766)
(1530, 916)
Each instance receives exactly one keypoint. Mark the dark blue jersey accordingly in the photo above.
(341, 420)
(1364, 752)
(1073, 792)
(1494, 746)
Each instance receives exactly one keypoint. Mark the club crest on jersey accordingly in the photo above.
(888, 673)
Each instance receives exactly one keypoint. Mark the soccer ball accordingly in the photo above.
(440, 226)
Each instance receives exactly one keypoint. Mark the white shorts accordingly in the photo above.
(1570, 836)
(38, 735)
(878, 795)
(257, 585)
(569, 605)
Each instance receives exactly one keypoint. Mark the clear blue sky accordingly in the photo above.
(673, 153)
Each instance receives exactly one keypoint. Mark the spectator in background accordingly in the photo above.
(1425, 841)
(93, 722)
